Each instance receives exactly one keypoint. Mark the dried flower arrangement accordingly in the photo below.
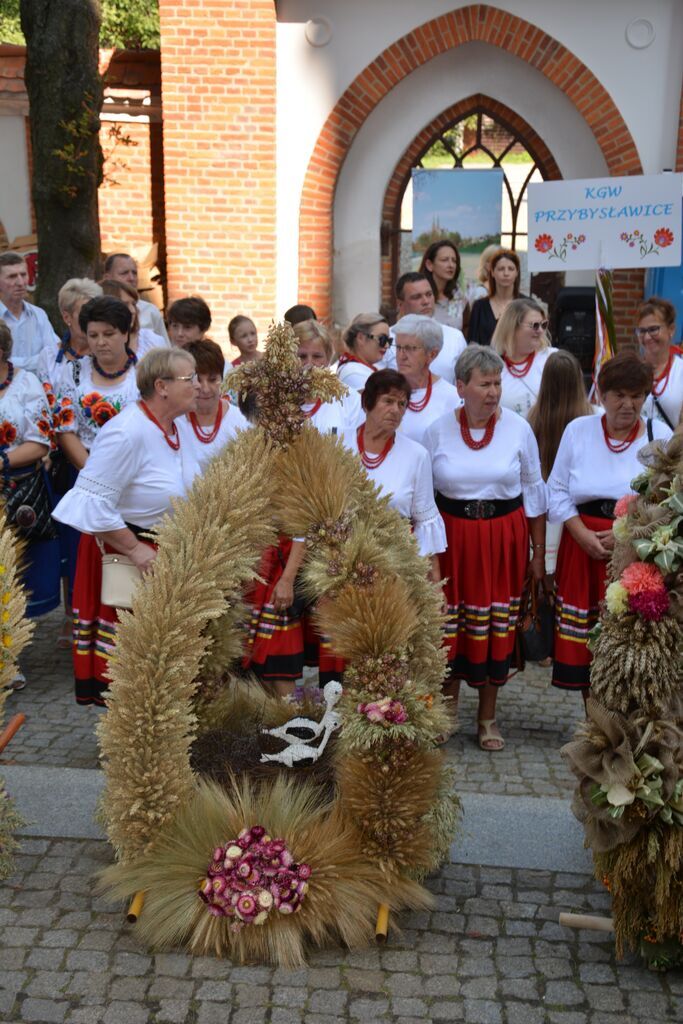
(390, 813)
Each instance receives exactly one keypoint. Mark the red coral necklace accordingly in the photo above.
(313, 410)
(423, 402)
(9, 378)
(200, 433)
(659, 384)
(172, 441)
(373, 461)
(619, 446)
(520, 368)
(467, 436)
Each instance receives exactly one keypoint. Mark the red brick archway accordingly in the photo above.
(477, 22)
(391, 208)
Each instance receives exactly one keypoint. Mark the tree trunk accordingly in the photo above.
(65, 95)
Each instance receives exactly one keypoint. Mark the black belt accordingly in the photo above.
(603, 508)
(488, 508)
(137, 530)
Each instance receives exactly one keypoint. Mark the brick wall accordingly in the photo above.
(132, 193)
(218, 81)
(475, 22)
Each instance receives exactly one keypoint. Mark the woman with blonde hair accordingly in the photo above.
(521, 339)
(316, 349)
(136, 468)
(503, 287)
(366, 340)
(655, 335)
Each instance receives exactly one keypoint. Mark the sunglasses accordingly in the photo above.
(537, 325)
(384, 340)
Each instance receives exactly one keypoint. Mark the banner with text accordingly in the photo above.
(605, 222)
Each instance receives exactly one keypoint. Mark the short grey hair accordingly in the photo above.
(75, 290)
(159, 363)
(477, 357)
(424, 328)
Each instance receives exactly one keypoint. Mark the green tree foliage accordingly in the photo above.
(126, 24)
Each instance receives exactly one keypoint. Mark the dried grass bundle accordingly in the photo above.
(388, 794)
(344, 889)
(207, 553)
(301, 506)
(636, 664)
(15, 632)
(367, 621)
(645, 880)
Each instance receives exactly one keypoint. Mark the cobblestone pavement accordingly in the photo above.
(492, 952)
(535, 718)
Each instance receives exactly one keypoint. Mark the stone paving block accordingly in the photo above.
(175, 964)
(406, 1007)
(362, 1009)
(44, 1010)
(602, 997)
(297, 977)
(443, 985)
(216, 991)
(450, 1010)
(329, 1002)
(563, 993)
(88, 960)
(294, 998)
(48, 983)
(126, 1013)
(482, 1011)
(251, 995)
(128, 989)
(286, 1015)
(173, 1011)
(524, 1013)
(212, 1013)
(166, 987)
(364, 981)
(405, 984)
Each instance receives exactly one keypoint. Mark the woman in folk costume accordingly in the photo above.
(595, 464)
(136, 467)
(656, 334)
(418, 340)
(521, 338)
(492, 497)
(366, 339)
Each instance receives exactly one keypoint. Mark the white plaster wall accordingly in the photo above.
(391, 127)
(15, 208)
(645, 84)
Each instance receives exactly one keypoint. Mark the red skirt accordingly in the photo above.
(580, 583)
(94, 626)
(485, 566)
(318, 651)
(275, 640)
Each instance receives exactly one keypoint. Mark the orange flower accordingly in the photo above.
(65, 401)
(49, 394)
(102, 411)
(88, 400)
(44, 426)
(8, 432)
(65, 417)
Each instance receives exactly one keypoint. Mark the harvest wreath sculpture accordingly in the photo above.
(628, 755)
(254, 861)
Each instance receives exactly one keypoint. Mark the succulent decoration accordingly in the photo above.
(628, 755)
(194, 754)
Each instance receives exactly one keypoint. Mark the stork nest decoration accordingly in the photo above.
(628, 755)
(257, 828)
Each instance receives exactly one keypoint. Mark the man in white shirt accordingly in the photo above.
(30, 327)
(122, 267)
(414, 295)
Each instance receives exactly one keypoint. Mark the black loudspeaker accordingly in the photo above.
(574, 325)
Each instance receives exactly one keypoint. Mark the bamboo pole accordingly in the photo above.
(382, 926)
(13, 726)
(135, 908)
(590, 921)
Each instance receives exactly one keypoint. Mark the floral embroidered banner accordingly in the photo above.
(605, 222)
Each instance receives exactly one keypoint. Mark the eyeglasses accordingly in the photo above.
(644, 332)
(537, 325)
(189, 379)
(383, 340)
(408, 348)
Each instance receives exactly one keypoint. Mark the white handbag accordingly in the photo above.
(119, 580)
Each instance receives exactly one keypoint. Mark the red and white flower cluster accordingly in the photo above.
(251, 876)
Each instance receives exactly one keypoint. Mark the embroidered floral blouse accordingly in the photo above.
(85, 407)
(24, 412)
